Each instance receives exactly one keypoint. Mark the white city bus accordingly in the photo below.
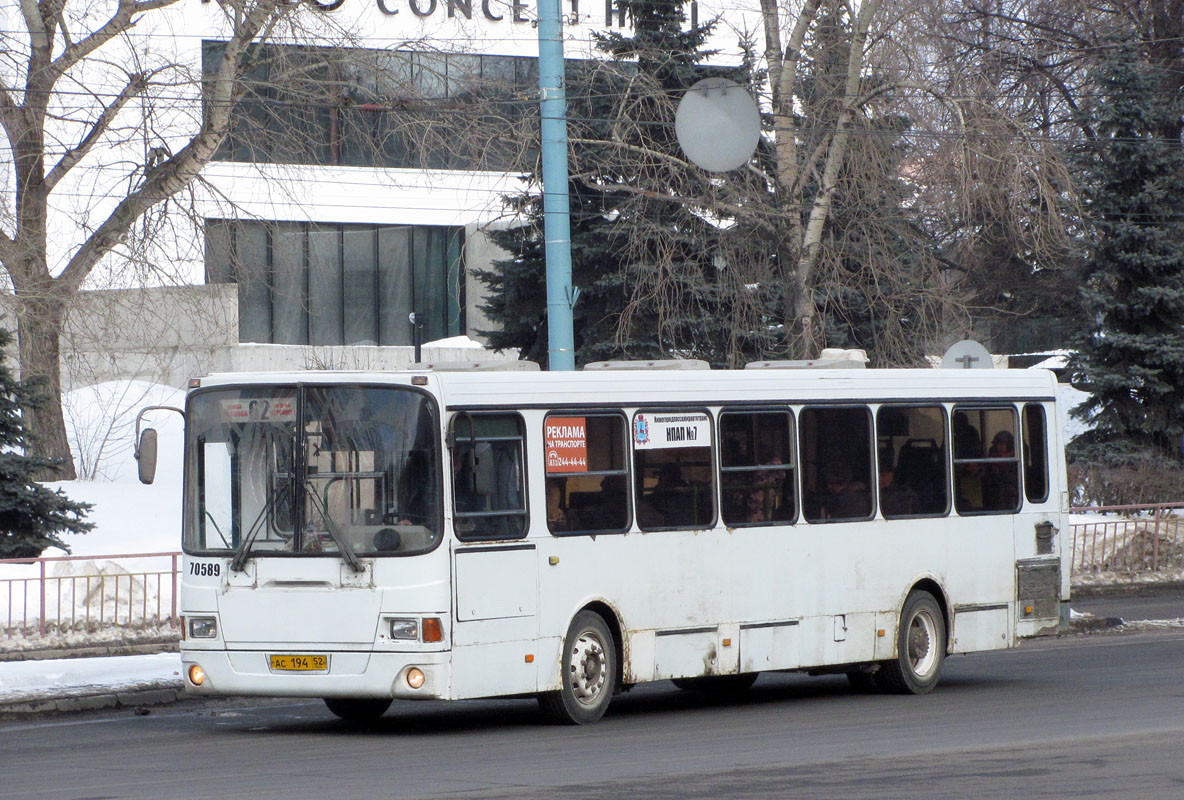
(363, 537)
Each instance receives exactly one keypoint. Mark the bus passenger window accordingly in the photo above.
(673, 472)
(1035, 454)
(488, 478)
(587, 478)
(911, 443)
(836, 454)
(986, 477)
(756, 468)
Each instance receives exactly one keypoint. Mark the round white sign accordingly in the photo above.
(717, 125)
(967, 354)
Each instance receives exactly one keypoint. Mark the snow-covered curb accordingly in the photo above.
(111, 638)
(80, 684)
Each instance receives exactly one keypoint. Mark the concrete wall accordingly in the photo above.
(171, 334)
(162, 334)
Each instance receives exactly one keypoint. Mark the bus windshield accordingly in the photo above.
(346, 471)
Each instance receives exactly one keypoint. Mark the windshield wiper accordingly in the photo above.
(343, 547)
(244, 549)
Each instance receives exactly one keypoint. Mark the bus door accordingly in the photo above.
(495, 572)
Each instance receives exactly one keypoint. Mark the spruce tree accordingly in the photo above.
(31, 516)
(1130, 350)
(648, 267)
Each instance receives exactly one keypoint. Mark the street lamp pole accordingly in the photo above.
(561, 295)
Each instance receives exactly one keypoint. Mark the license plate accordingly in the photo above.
(299, 663)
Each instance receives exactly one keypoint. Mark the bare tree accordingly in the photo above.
(77, 88)
(819, 241)
(982, 176)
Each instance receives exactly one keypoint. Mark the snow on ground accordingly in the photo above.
(28, 680)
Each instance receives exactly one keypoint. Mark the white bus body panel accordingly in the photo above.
(716, 601)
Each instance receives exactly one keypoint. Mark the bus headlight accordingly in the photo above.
(404, 628)
(203, 627)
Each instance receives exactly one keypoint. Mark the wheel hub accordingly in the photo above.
(922, 652)
(588, 668)
(918, 642)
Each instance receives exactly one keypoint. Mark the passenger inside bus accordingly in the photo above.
(968, 475)
(845, 498)
(670, 503)
(660, 506)
(557, 516)
(921, 467)
(1000, 479)
(896, 499)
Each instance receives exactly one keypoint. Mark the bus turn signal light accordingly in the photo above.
(433, 631)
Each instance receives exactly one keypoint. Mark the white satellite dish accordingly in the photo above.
(717, 125)
(967, 354)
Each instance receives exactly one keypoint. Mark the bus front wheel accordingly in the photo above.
(357, 709)
(921, 648)
(589, 667)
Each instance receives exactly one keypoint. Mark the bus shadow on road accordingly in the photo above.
(777, 692)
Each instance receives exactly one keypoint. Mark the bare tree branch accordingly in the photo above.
(96, 130)
(169, 176)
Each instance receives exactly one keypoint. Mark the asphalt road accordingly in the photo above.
(1134, 607)
(1085, 716)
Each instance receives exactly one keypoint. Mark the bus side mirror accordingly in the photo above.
(146, 455)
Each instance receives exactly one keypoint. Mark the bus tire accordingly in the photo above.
(589, 666)
(357, 709)
(719, 684)
(921, 648)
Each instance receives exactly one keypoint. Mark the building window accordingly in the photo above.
(382, 108)
(308, 283)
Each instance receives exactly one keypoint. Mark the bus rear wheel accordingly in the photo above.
(921, 648)
(357, 709)
(589, 667)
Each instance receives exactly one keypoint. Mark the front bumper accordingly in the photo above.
(350, 674)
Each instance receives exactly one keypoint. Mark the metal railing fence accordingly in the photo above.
(1130, 540)
(62, 594)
